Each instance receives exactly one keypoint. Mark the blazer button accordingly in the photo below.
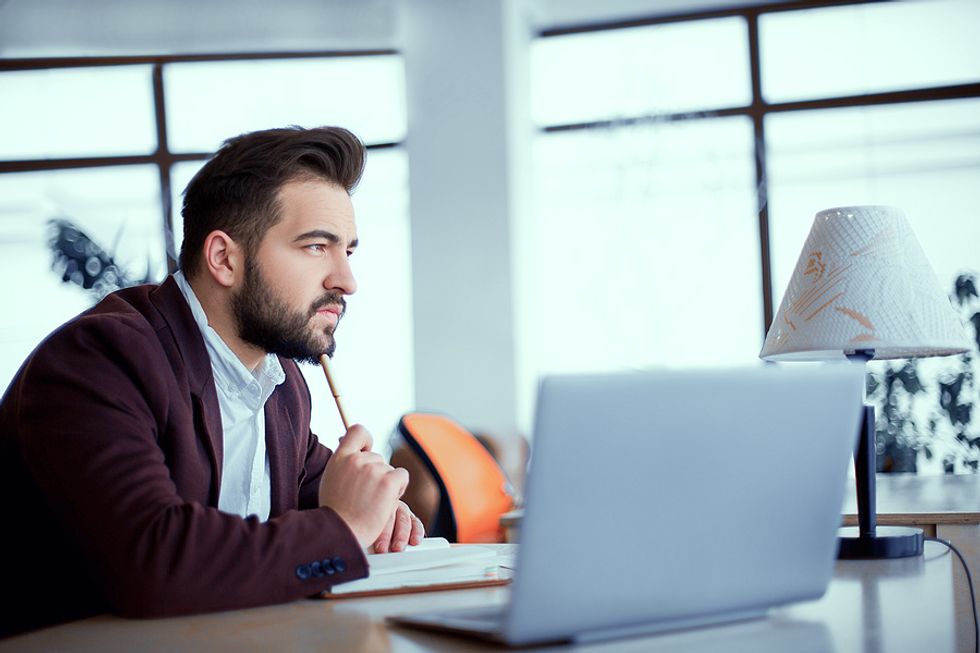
(303, 572)
(327, 567)
(315, 568)
(338, 564)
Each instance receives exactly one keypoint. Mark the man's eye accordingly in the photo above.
(316, 247)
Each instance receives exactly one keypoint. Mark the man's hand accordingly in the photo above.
(403, 528)
(362, 488)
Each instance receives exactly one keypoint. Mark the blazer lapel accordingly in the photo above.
(186, 350)
(207, 419)
(279, 429)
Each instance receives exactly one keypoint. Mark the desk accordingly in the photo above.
(943, 506)
(893, 605)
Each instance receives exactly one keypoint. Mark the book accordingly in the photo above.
(434, 564)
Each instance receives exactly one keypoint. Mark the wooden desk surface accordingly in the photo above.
(897, 605)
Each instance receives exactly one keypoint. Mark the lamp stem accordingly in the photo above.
(865, 463)
(870, 541)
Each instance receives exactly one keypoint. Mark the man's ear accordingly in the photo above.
(223, 259)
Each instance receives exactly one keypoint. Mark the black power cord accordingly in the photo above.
(969, 583)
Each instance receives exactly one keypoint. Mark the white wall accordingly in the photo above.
(48, 28)
(468, 128)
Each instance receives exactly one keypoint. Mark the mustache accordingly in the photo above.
(330, 299)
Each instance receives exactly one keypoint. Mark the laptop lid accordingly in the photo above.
(660, 499)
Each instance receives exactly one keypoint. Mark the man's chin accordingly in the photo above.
(326, 346)
(305, 352)
(313, 358)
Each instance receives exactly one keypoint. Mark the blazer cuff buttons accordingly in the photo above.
(319, 568)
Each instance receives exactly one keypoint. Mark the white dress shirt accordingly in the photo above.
(246, 487)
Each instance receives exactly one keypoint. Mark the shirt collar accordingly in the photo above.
(229, 371)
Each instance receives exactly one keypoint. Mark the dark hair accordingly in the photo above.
(237, 191)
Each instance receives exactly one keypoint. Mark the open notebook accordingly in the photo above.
(433, 564)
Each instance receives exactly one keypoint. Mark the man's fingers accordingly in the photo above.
(399, 476)
(383, 543)
(418, 531)
(356, 439)
(403, 528)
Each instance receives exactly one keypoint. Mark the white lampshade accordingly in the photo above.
(863, 282)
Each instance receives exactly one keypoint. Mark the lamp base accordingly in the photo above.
(887, 542)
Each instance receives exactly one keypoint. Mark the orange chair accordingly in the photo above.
(473, 490)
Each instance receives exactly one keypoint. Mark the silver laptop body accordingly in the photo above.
(659, 500)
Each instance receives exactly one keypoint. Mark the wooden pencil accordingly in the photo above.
(324, 363)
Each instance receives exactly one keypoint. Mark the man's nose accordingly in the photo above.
(341, 277)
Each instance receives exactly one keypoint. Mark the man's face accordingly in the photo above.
(292, 295)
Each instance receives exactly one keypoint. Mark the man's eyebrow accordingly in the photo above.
(325, 235)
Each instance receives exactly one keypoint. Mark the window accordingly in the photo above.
(625, 73)
(645, 243)
(645, 238)
(676, 180)
(76, 112)
(79, 144)
(208, 102)
(923, 157)
(868, 48)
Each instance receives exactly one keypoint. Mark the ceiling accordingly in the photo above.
(50, 28)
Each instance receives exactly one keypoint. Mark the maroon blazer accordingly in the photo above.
(110, 464)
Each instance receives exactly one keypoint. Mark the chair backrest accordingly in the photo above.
(473, 488)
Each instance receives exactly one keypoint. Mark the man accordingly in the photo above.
(155, 452)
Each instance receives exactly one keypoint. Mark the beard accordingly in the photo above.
(266, 321)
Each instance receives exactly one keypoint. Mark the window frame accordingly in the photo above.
(162, 157)
(758, 108)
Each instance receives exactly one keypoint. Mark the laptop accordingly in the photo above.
(660, 500)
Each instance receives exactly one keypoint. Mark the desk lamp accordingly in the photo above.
(863, 290)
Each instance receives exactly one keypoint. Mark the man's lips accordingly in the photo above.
(332, 313)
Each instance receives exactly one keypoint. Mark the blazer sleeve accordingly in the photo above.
(317, 456)
(92, 406)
